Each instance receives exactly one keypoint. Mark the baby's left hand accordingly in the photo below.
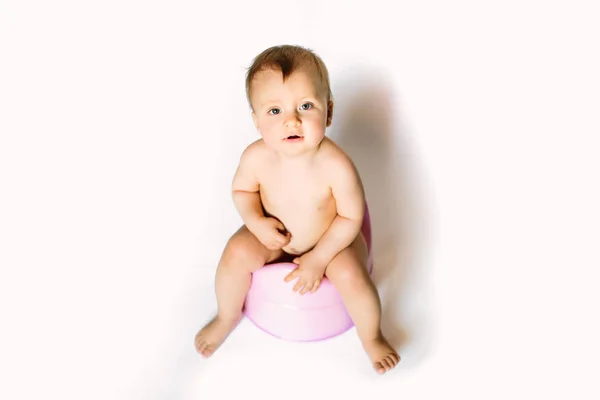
(310, 273)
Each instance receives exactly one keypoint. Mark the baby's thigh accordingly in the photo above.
(245, 250)
(350, 263)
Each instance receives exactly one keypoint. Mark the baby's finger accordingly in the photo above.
(279, 225)
(316, 286)
(282, 239)
(299, 284)
(306, 288)
(290, 276)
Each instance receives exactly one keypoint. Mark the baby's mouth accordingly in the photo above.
(292, 137)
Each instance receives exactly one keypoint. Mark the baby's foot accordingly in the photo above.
(213, 334)
(383, 356)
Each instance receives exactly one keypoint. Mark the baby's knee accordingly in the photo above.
(348, 271)
(242, 253)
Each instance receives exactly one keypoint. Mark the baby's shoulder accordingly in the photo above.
(253, 148)
(334, 158)
(254, 153)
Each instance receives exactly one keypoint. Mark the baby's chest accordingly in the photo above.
(296, 191)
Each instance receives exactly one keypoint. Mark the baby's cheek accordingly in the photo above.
(273, 123)
(314, 123)
(266, 128)
(322, 120)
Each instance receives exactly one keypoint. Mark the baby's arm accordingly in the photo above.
(246, 197)
(245, 188)
(348, 193)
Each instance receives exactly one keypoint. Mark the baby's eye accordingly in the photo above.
(274, 111)
(306, 106)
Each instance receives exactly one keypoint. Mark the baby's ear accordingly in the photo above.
(329, 112)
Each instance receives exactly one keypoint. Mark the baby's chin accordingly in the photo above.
(296, 149)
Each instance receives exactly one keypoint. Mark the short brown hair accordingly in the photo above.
(287, 58)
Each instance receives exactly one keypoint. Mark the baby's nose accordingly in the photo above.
(292, 120)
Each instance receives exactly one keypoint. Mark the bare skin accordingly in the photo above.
(243, 255)
(348, 272)
(300, 197)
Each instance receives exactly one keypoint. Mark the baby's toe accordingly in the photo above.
(387, 364)
(391, 361)
(207, 351)
(379, 367)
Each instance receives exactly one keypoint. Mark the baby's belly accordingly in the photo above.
(305, 225)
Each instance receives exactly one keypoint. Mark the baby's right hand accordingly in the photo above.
(268, 231)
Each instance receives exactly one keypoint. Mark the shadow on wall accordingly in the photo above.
(367, 125)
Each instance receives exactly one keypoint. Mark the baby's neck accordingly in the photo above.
(304, 158)
(297, 160)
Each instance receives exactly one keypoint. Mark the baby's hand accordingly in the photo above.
(310, 273)
(268, 231)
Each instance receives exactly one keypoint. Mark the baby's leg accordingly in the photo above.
(348, 273)
(243, 254)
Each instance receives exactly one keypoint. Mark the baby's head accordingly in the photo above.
(289, 92)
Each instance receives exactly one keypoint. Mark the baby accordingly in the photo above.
(301, 199)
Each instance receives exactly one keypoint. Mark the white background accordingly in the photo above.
(474, 125)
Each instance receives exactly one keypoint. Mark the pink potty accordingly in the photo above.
(274, 307)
